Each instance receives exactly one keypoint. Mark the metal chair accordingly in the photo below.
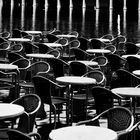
(51, 94)
(31, 104)
(16, 135)
(119, 119)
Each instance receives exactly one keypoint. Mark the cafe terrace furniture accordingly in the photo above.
(31, 104)
(83, 133)
(16, 135)
(53, 45)
(33, 32)
(52, 94)
(98, 51)
(10, 110)
(130, 92)
(75, 81)
(19, 39)
(66, 36)
(39, 56)
(119, 119)
(132, 63)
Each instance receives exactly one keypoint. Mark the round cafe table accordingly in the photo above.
(127, 55)
(75, 80)
(83, 133)
(98, 51)
(19, 39)
(131, 92)
(8, 110)
(53, 45)
(33, 32)
(8, 67)
(136, 72)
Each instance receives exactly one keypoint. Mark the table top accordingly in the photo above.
(136, 72)
(8, 67)
(127, 91)
(101, 39)
(88, 63)
(66, 35)
(19, 39)
(83, 133)
(127, 55)
(53, 44)
(33, 32)
(39, 55)
(78, 80)
(98, 51)
(8, 110)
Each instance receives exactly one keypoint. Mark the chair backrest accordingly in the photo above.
(96, 43)
(84, 43)
(118, 39)
(62, 41)
(98, 75)
(112, 48)
(74, 33)
(42, 48)
(102, 60)
(120, 118)
(56, 53)
(131, 48)
(16, 33)
(31, 104)
(5, 34)
(16, 135)
(13, 56)
(43, 87)
(5, 46)
(58, 67)
(132, 63)
(103, 98)
(39, 67)
(77, 68)
(51, 38)
(74, 43)
(124, 78)
(29, 47)
(22, 64)
(115, 61)
(108, 36)
(17, 48)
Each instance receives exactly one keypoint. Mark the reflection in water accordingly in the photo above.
(87, 21)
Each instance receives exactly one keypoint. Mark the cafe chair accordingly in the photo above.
(39, 67)
(18, 135)
(51, 94)
(51, 38)
(84, 43)
(131, 48)
(22, 64)
(16, 48)
(16, 33)
(56, 32)
(58, 68)
(107, 36)
(77, 68)
(80, 54)
(13, 56)
(5, 46)
(132, 63)
(119, 119)
(112, 48)
(98, 75)
(118, 39)
(28, 36)
(42, 48)
(55, 53)
(29, 48)
(96, 43)
(31, 104)
(5, 34)
(75, 33)
(120, 49)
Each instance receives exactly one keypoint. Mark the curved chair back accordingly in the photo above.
(84, 43)
(31, 104)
